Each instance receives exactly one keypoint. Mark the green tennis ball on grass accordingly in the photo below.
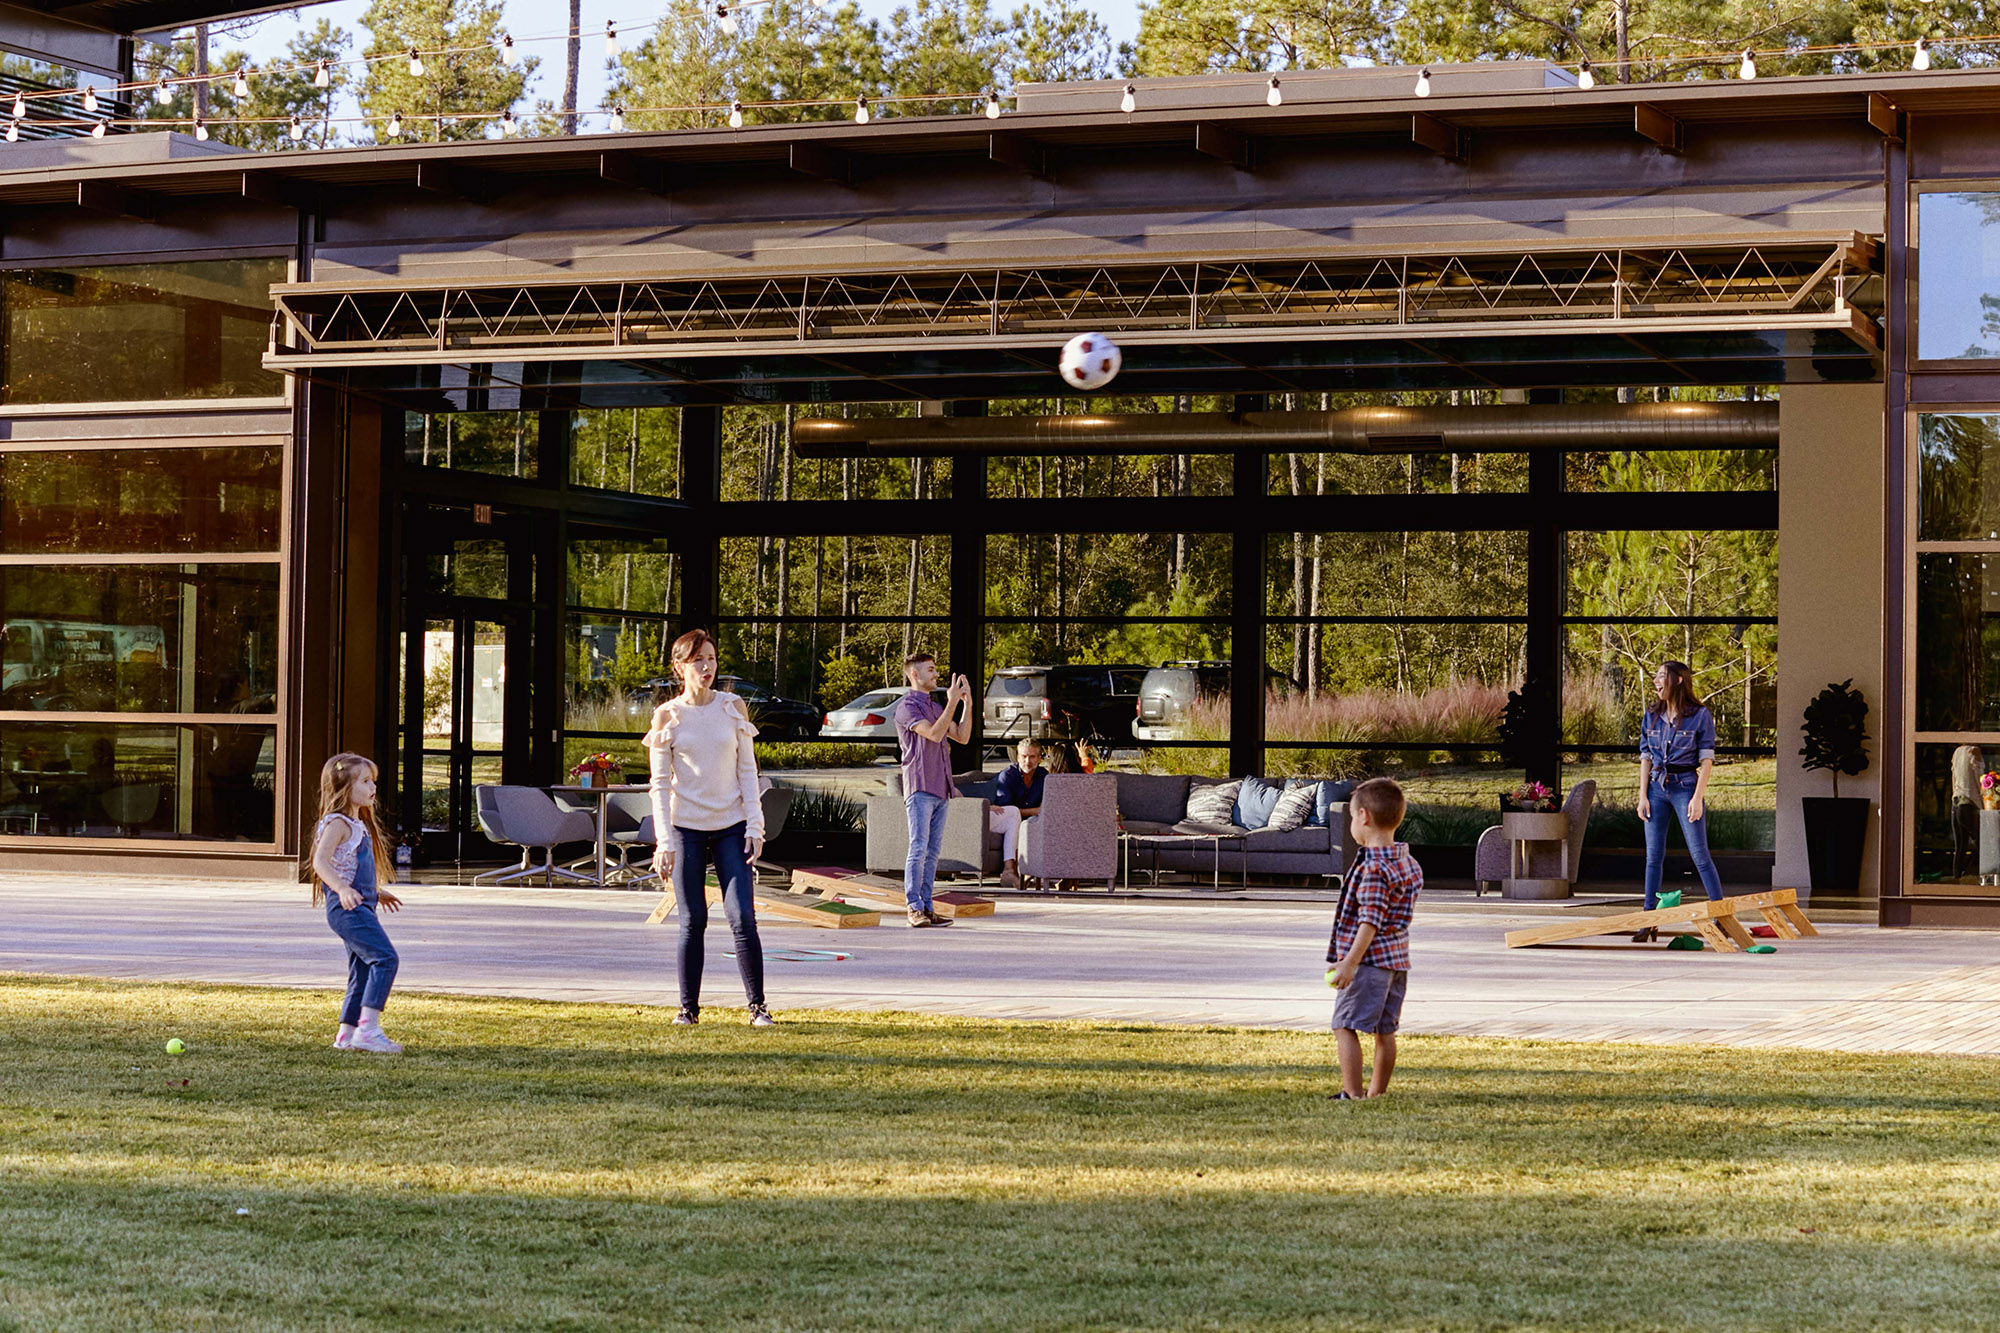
(175, 1046)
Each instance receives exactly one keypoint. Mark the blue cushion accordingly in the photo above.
(1330, 795)
(1254, 802)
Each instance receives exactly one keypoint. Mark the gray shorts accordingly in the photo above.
(1373, 1003)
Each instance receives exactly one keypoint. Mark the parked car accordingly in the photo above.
(1075, 702)
(778, 718)
(872, 717)
(1170, 690)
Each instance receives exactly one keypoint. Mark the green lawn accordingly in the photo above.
(581, 1167)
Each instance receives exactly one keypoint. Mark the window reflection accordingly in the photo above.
(140, 500)
(1958, 278)
(1958, 478)
(139, 639)
(501, 444)
(109, 780)
(1958, 638)
(139, 332)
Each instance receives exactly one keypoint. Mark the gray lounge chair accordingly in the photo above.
(1076, 834)
(528, 817)
(1489, 861)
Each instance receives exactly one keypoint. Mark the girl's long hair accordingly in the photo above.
(336, 797)
(1681, 698)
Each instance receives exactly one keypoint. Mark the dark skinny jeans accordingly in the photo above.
(694, 851)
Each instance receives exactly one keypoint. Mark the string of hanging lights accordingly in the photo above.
(863, 109)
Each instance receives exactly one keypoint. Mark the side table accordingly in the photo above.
(1524, 831)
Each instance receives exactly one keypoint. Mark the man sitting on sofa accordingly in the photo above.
(1017, 794)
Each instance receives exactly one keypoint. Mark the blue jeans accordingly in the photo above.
(926, 814)
(694, 850)
(371, 959)
(1669, 796)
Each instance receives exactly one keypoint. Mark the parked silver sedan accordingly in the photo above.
(872, 717)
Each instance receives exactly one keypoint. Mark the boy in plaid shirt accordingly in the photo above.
(1371, 936)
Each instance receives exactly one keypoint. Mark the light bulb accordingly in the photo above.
(507, 47)
(201, 129)
(321, 75)
(993, 106)
(617, 120)
(611, 41)
(90, 99)
(161, 92)
(735, 115)
(508, 125)
(242, 88)
(861, 111)
(20, 106)
(298, 130)
(97, 130)
(1586, 78)
(819, 4)
(1130, 101)
(1748, 69)
(1922, 59)
(13, 131)
(726, 16)
(1423, 83)
(396, 124)
(416, 64)
(1276, 95)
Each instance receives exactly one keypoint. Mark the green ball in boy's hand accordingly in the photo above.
(175, 1046)
(1331, 973)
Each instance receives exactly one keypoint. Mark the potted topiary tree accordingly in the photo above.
(1836, 734)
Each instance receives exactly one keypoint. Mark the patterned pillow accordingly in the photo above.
(1293, 808)
(1212, 804)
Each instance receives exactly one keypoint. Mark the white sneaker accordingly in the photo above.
(760, 1017)
(343, 1041)
(372, 1038)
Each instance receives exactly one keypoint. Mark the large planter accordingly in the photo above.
(1836, 833)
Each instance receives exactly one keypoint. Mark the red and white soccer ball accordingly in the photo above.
(1090, 361)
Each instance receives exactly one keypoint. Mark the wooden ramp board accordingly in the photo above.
(854, 887)
(822, 913)
(1716, 922)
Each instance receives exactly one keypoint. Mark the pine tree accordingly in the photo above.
(799, 53)
(687, 61)
(1065, 42)
(457, 96)
(945, 46)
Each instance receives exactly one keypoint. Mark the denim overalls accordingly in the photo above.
(1677, 749)
(371, 959)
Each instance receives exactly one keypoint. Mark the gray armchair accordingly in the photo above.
(528, 817)
(970, 847)
(1489, 861)
(1076, 834)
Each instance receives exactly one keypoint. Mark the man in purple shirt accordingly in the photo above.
(923, 729)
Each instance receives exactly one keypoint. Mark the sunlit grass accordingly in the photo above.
(579, 1166)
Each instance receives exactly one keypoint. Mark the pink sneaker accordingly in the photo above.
(343, 1041)
(372, 1038)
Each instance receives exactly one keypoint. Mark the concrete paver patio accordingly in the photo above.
(1855, 988)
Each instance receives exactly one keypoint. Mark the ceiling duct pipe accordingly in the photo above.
(1352, 430)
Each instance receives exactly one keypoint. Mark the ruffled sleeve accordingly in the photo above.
(746, 768)
(659, 745)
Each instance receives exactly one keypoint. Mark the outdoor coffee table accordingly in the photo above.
(1153, 842)
(600, 795)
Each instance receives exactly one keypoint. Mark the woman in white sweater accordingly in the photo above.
(706, 809)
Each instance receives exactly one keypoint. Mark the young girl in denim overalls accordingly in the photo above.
(347, 846)
(1676, 753)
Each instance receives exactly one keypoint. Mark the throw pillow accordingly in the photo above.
(1254, 802)
(1293, 809)
(1213, 804)
(1330, 795)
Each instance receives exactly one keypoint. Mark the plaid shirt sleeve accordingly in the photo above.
(1382, 893)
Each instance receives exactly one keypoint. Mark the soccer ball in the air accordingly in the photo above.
(1090, 361)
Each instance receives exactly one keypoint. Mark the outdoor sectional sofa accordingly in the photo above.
(1148, 804)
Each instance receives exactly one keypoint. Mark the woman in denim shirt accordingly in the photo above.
(1676, 753)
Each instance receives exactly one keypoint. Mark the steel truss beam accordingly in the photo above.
(1792, 283)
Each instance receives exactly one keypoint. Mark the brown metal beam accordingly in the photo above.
(267, 187)
(1663, 129)
(1219, 141)
(101, 198)
(827, 164)
(634, 172)
(444, 178)
(1434, 134)
(1883, 116)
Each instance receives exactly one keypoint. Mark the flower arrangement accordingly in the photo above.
(1989, 790)
(595, 770)
(1532, 796)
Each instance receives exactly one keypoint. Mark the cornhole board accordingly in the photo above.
(1716, 922)
(822, 913)
(851, 886)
